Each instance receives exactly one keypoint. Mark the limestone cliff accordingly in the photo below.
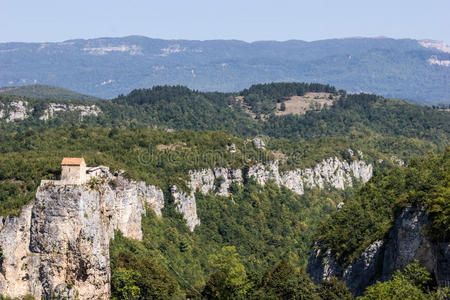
(20, 110)
(59, 245)
(83, 110)
(330, 172)
(406, 243)
(14, 110)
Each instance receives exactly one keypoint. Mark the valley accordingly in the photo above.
(193, 191)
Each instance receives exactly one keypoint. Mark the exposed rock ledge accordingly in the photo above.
(16, 110)
(405, 244)
(60, 243)
(84, 110)
(332, 172)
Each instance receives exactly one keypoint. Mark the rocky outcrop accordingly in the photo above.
(330, 172)
(83, 110)
(439, 45)
(333, 172)
(258, 143)
(59, 245)
(19, 266)
(15, 110)
(186, 205)
(217, 180)
(434, 60)
(406, 243)
(357, 275)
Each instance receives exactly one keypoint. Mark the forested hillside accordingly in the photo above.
(255, 242)
(262, 225)
(41, 91)
(181, 108)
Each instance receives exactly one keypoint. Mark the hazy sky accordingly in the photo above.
(249, 20)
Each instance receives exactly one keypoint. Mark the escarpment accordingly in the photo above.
(59, 245)
(21, 110)
(15, 110)
(330, 172)
(405, 243)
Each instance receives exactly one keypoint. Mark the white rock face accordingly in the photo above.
(17, 111)
(331, 172)
(18, 275)
(439, 45)
(232, 148)
(366, 264)
(62, 239)
(440, 62)
(264, 173)
(171, 49)
(84, 110)
(130, 49)
(186, 205)
(258, 143)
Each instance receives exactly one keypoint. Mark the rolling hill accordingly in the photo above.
(42, 91)
(179, 107)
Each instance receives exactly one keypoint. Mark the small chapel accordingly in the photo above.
(73, 170)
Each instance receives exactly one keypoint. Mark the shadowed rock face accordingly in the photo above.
(59, 245)
(380, 260)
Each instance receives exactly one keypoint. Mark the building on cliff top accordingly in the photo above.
(73, 170)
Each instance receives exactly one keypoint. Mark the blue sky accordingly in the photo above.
(249, 20)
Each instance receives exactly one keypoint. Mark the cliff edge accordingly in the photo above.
(59, 245)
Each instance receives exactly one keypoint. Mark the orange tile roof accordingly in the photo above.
(72, 161)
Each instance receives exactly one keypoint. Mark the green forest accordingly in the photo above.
(177, 107)
(254, 244)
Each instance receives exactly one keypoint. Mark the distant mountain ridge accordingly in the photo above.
(107, 67)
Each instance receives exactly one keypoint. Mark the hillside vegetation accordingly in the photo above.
(255, 243)
(31, 155)
(42, 91)
(181, 108)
